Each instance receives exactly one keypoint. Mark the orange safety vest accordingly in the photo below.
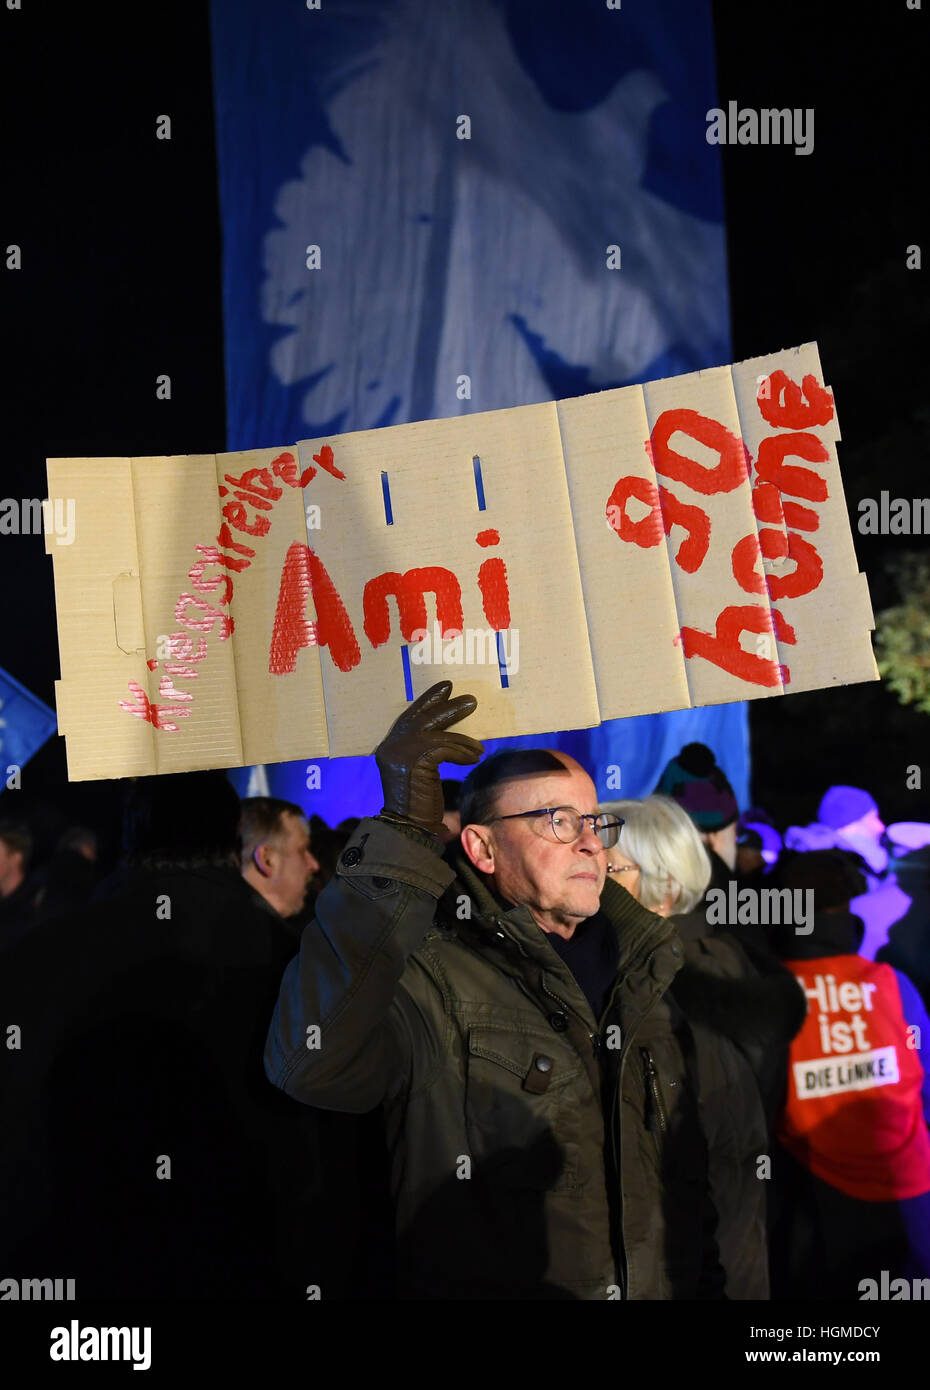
(853, 1114)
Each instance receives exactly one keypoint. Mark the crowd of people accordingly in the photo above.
(490, 1043)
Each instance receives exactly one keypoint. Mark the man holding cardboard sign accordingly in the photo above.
(512, 1013)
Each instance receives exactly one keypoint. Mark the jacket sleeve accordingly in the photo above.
(915, 1016)
(712, 1278)
(344, 1033)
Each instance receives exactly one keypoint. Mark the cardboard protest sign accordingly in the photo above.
(637, 550)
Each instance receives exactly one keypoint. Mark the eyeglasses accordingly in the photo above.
(567, 824)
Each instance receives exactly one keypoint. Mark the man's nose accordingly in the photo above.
(589, 841)
(312, 865)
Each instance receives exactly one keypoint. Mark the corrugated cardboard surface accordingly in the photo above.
(595, 620)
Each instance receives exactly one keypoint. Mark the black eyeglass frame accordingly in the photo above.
(612, 822)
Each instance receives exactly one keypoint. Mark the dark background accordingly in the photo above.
(120, 282)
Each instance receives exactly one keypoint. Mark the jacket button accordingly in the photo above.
(559, 1022)
(351, 857)
(542, 1063)
(381, 882)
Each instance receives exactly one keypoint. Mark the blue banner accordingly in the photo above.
(25, 723)
(430, 210)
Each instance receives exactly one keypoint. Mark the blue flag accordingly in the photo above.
(25, 723)
(431, 210)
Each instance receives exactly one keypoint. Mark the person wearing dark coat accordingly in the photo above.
(694, 780)
(852, 1176)
(69, 878)
(513, 1011)
(18, 887)
(736, 993)
(143, 1151)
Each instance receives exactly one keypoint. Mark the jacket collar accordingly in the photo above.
(640, 933)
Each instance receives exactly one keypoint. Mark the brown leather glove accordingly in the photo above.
(408, 757)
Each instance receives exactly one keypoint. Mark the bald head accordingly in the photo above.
(568, 762)
(563, 783)
(481, 787)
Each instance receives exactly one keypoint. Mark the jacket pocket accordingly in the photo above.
(522, 1097)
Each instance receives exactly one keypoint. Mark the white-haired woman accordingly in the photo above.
(660, 858)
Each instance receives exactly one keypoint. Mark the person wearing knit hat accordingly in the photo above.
(701, 788)
(848, 819)
(851, 814)
(850, 809)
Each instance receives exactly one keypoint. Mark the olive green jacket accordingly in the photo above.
(537, 1152)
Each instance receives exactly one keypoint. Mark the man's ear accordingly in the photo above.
(476, 842)
(262, 860)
